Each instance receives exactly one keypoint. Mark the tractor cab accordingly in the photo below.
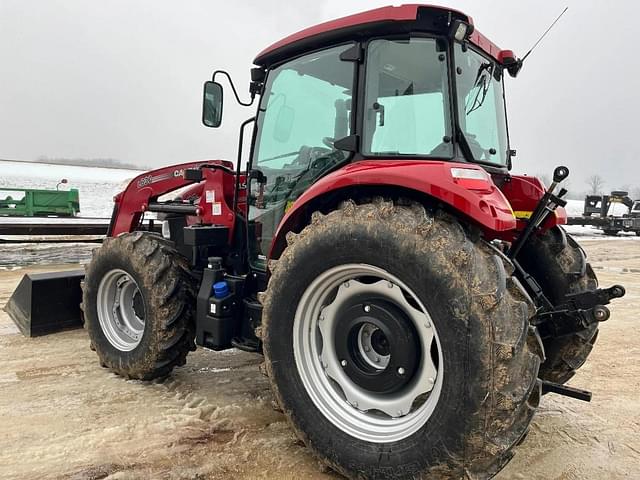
(398, 83)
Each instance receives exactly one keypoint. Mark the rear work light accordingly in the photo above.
(472, 179)
(460, 30)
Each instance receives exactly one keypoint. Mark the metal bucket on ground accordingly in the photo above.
(45, 303)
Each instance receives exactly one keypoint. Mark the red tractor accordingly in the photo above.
(412, 299)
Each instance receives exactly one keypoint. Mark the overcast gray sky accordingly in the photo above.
(123, 78)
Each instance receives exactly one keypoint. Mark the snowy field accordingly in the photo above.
(96, 185)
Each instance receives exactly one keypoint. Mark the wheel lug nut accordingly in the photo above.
(367, 349)
(389, 284)
(401, 370)
(431, 381)
(345, 284)
(343, 363)
(367, 308)
(377, 359)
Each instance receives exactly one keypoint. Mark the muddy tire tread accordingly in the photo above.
(560, 266)
(509, 389)
(170, 290)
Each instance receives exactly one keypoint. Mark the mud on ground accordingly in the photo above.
(62, 416)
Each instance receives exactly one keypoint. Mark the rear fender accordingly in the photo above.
(485, 207)
(524, 193)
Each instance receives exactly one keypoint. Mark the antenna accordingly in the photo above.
(513, 66)
(544, 35)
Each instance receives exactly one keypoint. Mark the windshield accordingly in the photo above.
(481, 108)
(305, 108)
(406, 110)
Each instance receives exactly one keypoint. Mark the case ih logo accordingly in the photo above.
(149, 179)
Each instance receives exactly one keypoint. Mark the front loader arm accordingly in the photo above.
(143, 191)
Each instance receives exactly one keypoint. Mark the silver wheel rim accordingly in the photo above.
(369, 416)
(120, 324)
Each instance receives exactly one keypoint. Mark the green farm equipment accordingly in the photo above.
(33, 203)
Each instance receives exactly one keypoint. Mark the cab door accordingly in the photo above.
(305, 108)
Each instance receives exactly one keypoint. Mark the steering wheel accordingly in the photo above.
(307, 155)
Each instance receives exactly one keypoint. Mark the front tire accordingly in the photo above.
(438, 296)
(138, 299)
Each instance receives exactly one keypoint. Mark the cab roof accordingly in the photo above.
(404, 19)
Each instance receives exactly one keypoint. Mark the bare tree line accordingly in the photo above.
(90, 162)
(595, 186)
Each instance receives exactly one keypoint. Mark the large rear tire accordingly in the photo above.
(560, 267)
(456, 385)
(138, 298)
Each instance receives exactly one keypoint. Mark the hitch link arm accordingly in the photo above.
(578, 312)
(581, 310)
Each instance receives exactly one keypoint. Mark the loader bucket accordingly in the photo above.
(46, 303)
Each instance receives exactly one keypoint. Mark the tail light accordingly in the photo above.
(472, 179)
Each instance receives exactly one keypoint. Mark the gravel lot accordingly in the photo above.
(65, 417)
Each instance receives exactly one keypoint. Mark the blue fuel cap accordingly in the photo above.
(220, 289)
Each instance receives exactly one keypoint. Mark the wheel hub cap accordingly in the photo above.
(121, 310)
(363, 377)
(367, 353)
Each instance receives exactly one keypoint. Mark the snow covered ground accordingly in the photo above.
(65, 417)
(594, 233)
(96, 185)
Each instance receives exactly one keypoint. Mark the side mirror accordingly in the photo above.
(212, 104)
